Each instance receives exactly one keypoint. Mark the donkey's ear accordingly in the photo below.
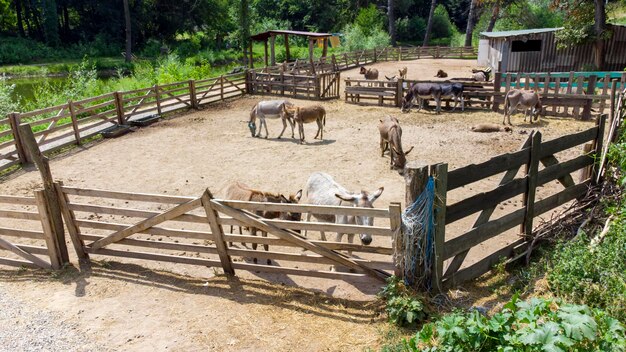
(283, 199)
(377, 194)
(408, 151)
(346, 197)
(298, 195)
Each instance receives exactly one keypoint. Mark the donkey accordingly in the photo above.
(441, 74)
(308, 114)
(239, 191)
(322, 189)
(530, 100)
(269, 108)
(390, 138)
(422, 91)
(402, 72)
(369, 73)
(455, 91)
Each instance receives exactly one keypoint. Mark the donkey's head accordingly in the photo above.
(292, 199)
(363, 200)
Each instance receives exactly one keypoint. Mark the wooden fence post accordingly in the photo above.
(585, 173)
(53, 209)
(334, 59)
(497, 83)
(597, 146)
(119, 108)
(157, 94)
(218, 234)
(70, 106)
(440, 173)
(70, 222)
(395, 222)
(532, 168)
(192, 94)
(48, 230)
(399, 92)
(222, 87)
(14, 121)
(591, 86)
(375, 56)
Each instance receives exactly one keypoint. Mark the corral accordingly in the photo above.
(184, 155)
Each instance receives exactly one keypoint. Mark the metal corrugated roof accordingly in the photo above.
(504, 34)
(265, 35)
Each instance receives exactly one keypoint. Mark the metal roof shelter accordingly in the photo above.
(271, 37)
(504, 34)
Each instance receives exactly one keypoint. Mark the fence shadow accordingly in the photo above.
(243, 291)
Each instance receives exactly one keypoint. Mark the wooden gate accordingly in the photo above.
(193, 230)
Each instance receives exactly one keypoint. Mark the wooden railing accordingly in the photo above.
(540, 168)
(75, 121)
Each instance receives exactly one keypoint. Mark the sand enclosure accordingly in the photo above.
(138, 305)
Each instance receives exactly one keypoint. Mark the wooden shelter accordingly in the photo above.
(270, 36)
(535, 50)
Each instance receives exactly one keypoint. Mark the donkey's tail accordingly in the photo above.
(324, 119)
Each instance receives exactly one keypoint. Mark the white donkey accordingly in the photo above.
(272, 109)
(322, 189)
(529, 100)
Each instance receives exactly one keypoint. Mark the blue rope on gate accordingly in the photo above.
(417, 243)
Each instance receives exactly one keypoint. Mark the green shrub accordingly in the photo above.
(15, 50)
(404, 306)
(442, 25)
(411, 29)
(369, 20)
(355, 39)
(534, 325)
(7, 104)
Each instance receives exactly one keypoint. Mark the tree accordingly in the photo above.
(392, 22)
(128, 55)
(585, 22)
(429, 26)
(469, 31)
(244, 27)
(50, 24)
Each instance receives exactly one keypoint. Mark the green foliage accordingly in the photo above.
(442, 26)
(534, 325)
(7, 105)
(411, 29)
(369, 20)
(404, 307)
(355, 39)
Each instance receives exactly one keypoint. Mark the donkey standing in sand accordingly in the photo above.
(272, 109)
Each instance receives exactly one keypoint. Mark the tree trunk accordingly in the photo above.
(66, 21)
(392, 22)
(18, 11)
(495, 13)
(599, 29)
(429, 27)
(50, 22)
(128, 55)
(244, 25)
(469, 31)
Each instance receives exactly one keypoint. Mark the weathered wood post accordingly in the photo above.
(440, 173)
(532, 168)
(218, 234)
(119, 108)
(70, 106)
(597, 146)
(497, 83)
(193, 98)
(395, 221)
(591, 86)
(415, 178)
(335, 68)
(70, 222)
(399, 92)
(49, 207)
(585, 173)
(14, 122)
(157, 97)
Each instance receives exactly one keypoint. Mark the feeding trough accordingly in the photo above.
(145, 121)
(115, 131)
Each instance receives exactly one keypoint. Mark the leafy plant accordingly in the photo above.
(534, 325)
(404, 306)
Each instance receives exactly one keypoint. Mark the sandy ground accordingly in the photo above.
(137, 305)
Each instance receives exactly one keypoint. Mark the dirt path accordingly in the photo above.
(138, 305)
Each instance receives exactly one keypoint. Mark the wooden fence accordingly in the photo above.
(194, 230)
(540, 167)
(321, 86)
(567, 94)
(75, 121)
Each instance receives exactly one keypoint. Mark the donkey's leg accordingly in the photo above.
(254, 245)
(301, 129)
(320, 129)
(284, 127)
(266, 247)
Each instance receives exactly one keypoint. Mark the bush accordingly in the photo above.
(19, 50)
(411, 29)
(355, 39)
(404, 307)
(369, 20)
(442, 25)
(535, 325)
(7, 104)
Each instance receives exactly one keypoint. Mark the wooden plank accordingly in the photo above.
(21, 233)
(318, 226)
(155, 230)
(70, 222)
(479, 201)
(147, 223)
(254, 221)
(441, 191)
(218, 233)
(565, 179)
(48, 230)
(131, 212)
(566, 142)
(395, 222)
(561, 198)
(476, 172)
(173, 246)
(17, 200)
(562, 171)
(21, 215)
(306, 208)
(19, 252)
(354, 247)
(596, 174)
(140, 197)
(17, 262)
(298, 272)
(154, 256)
(41, 111)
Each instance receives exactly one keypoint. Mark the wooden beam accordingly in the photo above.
(15, 250)
(70, 222)
(441, 194)
(19, 145)
(325, 50)
(287, 48)
(53, 207)
(218, 233)
(48, 230)
(265, 58)
(273, 50)
(532, 170)
(395, 221)
(251, 56)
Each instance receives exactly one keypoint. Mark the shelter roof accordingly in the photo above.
(504, 34)
(265, 35)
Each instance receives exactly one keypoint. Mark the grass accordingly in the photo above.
(616, 13)
(61, 67)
